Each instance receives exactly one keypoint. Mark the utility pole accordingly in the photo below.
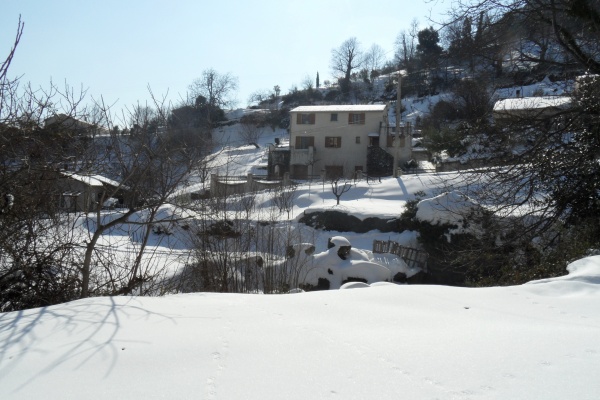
(398, 119)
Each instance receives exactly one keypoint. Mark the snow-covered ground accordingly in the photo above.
(386, 341)
(535, 341)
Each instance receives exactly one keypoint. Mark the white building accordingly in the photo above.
(333, 140)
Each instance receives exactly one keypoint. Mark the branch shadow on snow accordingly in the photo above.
(93, 324)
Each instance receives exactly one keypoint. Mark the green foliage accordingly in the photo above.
(428, 47)
(379, 161)
(342, 222)
(301, 97)
(473, 99)
(443, 113)
(501, 253)
(407, 220)
(444, 139)
(37, 280)
(332, 95)
(520, 261)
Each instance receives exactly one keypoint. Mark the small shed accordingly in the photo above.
(86, 192)
(530, 107)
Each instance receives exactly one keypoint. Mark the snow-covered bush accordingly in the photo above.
(341, 263)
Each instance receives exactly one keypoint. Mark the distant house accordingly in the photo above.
(70, 123)
(334, 140)
(87, 192)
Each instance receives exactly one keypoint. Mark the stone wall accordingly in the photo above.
(227, 186)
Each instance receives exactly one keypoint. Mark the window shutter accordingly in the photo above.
(349, 118)
(362, 118)
(311, 119)
(298, 142)
(298, 119)
(311, 141)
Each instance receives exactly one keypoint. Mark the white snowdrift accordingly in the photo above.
(384, 342)
(328, 265)
(452, 208)
(446, 208)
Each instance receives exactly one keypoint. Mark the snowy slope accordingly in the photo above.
(536, 341)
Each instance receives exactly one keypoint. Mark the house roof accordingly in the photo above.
(92, 180)
(341, 108)
(532, 103)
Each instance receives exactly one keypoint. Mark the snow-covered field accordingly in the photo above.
(386, 341)
(535, 341)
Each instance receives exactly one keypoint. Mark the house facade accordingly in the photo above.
(333, 140)
(86, 192)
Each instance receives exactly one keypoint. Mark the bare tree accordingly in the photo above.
(374, 58)
(141, 116)
(151, 169)
(38, 259)
(346, 59)
(217, 89)
(6, 63)
(307, 83)
(283, 198)
(574, 26)
(260, 96)
(339, 186)
(406, 45)
(250, 132)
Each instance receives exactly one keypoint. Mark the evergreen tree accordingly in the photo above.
(428, 48)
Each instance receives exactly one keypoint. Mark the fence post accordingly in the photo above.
(286, 179)
(249, 183)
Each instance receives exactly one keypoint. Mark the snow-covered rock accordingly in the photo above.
(448, 208)
(338, 267)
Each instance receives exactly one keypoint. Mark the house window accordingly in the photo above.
(305, 119)
(333, 117)
(356, 118)
(333, 141)
(304, 142)
(358, 140)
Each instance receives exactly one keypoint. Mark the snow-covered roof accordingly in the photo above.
(341, 108)
(91, 180)
(532, 103)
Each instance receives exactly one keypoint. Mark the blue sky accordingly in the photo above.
(116, 48)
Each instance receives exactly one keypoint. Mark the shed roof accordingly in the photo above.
(92, 180)
(532, 103)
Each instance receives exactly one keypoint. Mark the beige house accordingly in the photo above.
(333, 140)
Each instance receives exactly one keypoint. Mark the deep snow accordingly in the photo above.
(535, 341)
